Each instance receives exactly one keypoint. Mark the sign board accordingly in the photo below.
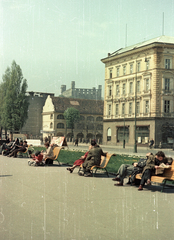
(60, 141)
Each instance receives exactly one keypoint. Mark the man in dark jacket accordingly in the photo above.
(126, 170)
(93, 158)
(152, 163)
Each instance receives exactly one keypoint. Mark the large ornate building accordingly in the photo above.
(83, 93)
(89, 126)
(140, 79)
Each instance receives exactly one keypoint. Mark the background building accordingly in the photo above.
(89, 126)
(140, 79)
(82, 93)
(33, 124)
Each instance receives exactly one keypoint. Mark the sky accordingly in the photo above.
(56, 42)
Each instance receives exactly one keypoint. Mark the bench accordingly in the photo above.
(103, 164)
(23, 154)
(168, 175)
(56, 152)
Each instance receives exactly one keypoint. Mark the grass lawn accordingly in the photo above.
(69, 157)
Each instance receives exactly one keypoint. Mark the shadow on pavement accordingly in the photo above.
(157, 188)
(6, 175)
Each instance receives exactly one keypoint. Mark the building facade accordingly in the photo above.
(82, 93)
(89, 126)
(33, 125)
(139, 93)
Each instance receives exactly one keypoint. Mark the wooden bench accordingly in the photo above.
(103, 164)
(26, 153)
(168, 175)
(56, 152)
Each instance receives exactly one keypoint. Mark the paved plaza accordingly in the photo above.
(50, 203)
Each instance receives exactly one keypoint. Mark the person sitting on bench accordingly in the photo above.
(48, 156)
(152, 163)
(79, 161)
(126, 170)
(93, 158)
(20, 148)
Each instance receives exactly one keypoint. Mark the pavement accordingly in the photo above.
(49, 203)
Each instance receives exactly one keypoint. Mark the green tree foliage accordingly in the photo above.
(71, 116)
(14, 102)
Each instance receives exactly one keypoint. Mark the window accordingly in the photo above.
(82, 118)
(124, 88)
(138, 67)
(116, 110)
(166, 106)
(131, 68)
(130, 108)
(147, 85)
(98, 119)
(124, 70)
(138, 107)
(147, 64)
(109, 134)
(60, 125)
(110, 91)
(110, 73)
(117, 90)
(109, 110)
(118, 72)
(90, 118)
(60, 116)
(131, 87)
(51, 116)
(123, 108)
(138, 86)
(146, 106)
(167, 84)
(167, 63)
(51, 125)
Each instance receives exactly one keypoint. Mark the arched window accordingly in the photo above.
(60, 116)
(82, 118)
(90, 118)
(109, 134)
(99, 119)
(51, 125)
(60, 125)
(51, 116)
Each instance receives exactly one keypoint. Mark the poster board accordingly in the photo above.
(60, 141)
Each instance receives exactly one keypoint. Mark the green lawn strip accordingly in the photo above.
(69, 157)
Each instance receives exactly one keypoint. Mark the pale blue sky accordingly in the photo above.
(56, 42)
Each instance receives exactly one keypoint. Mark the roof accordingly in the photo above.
(161, 39)
(85, 106)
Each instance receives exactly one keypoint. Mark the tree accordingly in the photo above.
(14, 105)
(71, 116)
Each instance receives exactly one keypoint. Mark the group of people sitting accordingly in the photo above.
(91, 158)
(11, 148)
(145, 166)
(40, 158)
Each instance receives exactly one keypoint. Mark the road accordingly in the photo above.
(141, 151)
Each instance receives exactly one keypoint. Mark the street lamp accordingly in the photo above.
(135, 142)
(124, 132)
